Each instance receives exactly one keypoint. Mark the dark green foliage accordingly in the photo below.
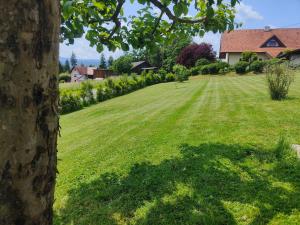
(279, 78)
(181, 73)
(61, 69)
(110, 61)
(241, 67)
(202, 62)
(123, 64)
(103, 64)
(195, 70)
(73, 59)
(215, 68)
(67, 66)
(64, 77)
(257, 66)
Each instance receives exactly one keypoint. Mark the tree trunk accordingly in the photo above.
(29, 40)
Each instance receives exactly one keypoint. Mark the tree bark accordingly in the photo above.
(29, 41)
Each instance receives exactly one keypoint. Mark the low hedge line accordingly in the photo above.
(72, 100)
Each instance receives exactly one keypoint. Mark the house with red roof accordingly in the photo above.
(267, 43)
(82, 73)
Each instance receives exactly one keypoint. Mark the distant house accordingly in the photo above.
(103, 73)
(267, 43)
(81, 73)
(139, 67)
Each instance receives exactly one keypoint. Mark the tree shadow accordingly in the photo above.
(208, 184)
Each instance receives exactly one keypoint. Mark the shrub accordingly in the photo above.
(64, 77)
(103, 92)
(170, 77)
(190, 54)
(122, 64)
(149, 79)
(181, 73)
(249, 57)
(273, 61)
(279, 78)
(70, 102)
(257, 66)
(86, 93)
(202, 62)
(195, 70)
(162, 73)
(241, 67)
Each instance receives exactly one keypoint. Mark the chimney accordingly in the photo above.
(267, 28)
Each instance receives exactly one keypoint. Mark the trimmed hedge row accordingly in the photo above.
(72, 100)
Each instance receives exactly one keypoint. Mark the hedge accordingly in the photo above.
(75, 99)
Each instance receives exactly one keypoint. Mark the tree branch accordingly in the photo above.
(171, 16)
(157, 22)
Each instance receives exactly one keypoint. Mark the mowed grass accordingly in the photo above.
(199, 152)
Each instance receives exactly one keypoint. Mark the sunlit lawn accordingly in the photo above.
(200, 152)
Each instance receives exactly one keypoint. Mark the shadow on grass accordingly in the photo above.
(208, 184)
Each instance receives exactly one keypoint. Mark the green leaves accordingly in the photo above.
(105, 23)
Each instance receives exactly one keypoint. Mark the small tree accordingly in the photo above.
(67, 66)
(60, 68)
(181, 73)
(279, 78)
(249, 57)
(110, 61)
(122, 64)
(103, 64)
(190, 54)
(73, 59)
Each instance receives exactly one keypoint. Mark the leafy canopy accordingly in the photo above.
(104, 22)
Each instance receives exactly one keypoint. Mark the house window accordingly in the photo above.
(272, 43)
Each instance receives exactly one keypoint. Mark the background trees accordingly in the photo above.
(190, 54)
(103, 64)
(73, 59)
(123, 64)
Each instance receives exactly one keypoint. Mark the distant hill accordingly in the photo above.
(86, 62)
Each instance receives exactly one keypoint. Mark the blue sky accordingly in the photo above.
(252, 13)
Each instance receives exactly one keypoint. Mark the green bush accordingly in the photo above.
(162, 73)
(257, 66)
(279, 78)
(202, 62)
(170, 77)
(86, 93)
(241, 67)
(273, 61)
(195, 70)
(70, 101)
(123, 64)
(249, 57)
(181, 73)
(64, 77)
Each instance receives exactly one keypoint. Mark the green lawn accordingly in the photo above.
(200, 152)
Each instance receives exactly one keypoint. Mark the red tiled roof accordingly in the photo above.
(252, 40)
(81, 70)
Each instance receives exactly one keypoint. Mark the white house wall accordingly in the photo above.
(233, 58)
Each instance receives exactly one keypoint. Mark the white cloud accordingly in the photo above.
(211, 38)
(246, 12)
(83, 50)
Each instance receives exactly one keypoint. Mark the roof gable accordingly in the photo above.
(253, 40)
(273, 42)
